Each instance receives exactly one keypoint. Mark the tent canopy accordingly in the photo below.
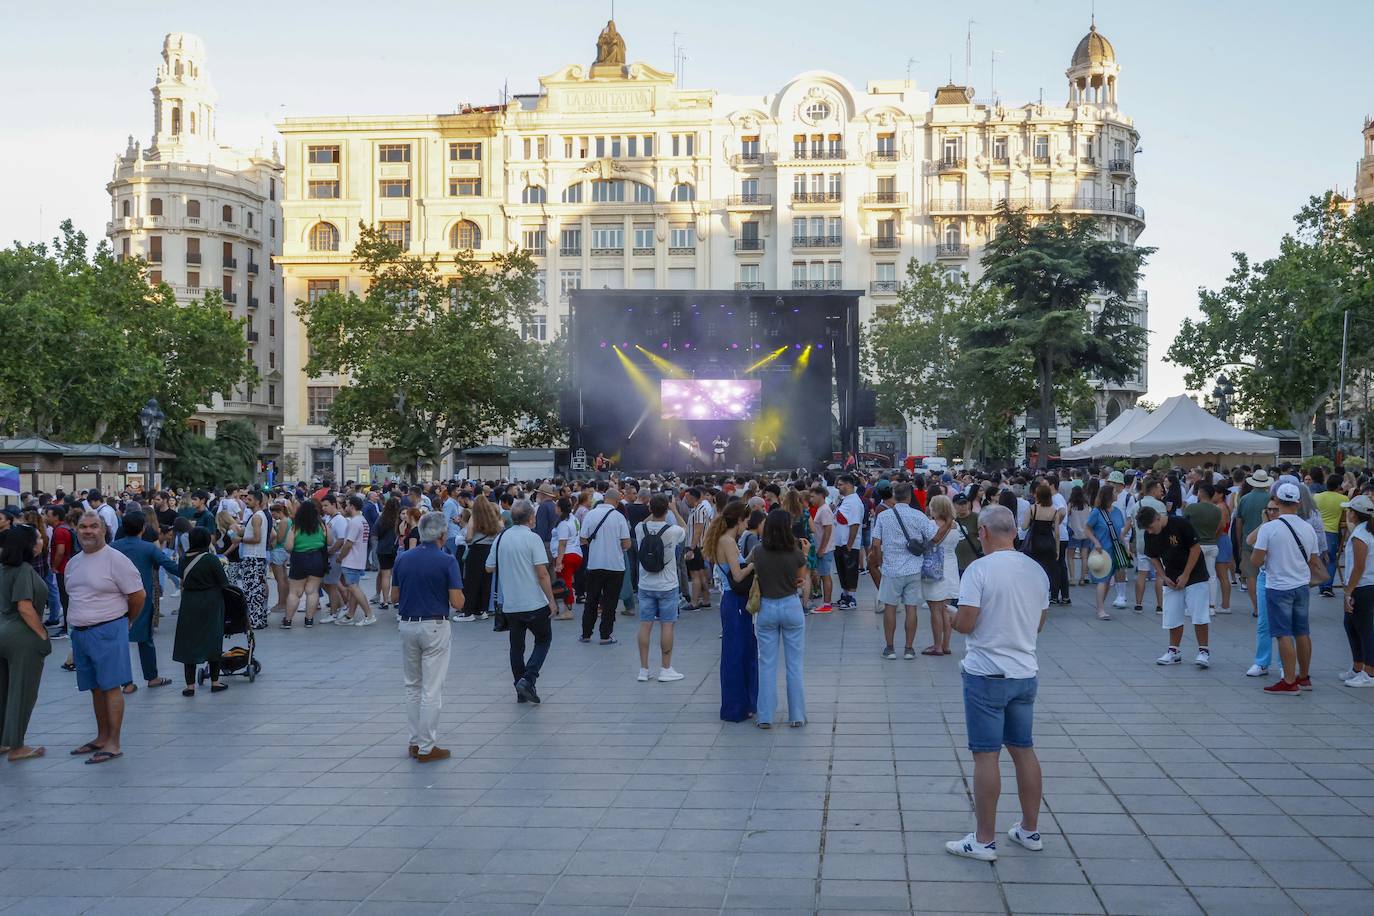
(1087, 448)
(1176, 427)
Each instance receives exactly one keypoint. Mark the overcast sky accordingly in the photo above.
(1245, 108)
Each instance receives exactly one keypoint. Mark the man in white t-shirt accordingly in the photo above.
(1002, 608)
(333, 576)
(1285, 547)
(353, 562)
(849, 519)
(605, 538)
(901, 569)
(823, 536)
(656, 541)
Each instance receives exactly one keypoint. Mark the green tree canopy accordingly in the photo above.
(1046, 272)
(433, 362)
(1275, 326)
(95, 341)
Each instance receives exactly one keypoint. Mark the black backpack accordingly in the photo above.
(652, 554)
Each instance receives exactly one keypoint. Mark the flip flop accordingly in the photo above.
(129, 688)
(931, 650)
(90, 747)
(102, 757)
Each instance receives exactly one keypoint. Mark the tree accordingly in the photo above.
(1046, 272)
(1275, 326)
(229, 458)
(95, 340)
(917, 354)
(433, 362)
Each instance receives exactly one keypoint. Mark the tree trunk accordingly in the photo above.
(967, 452)
(1304, 422)
(1042, 460)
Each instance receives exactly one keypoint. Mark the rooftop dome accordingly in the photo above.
(1094, 49)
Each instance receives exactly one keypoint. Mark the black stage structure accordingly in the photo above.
(659, 378)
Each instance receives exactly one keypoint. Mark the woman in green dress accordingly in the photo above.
(200, 621)
(23, 641)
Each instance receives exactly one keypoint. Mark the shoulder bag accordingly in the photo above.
(1315, 568)
(499, 623)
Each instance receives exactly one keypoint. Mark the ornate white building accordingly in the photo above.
(1364, 170)
(613, 178)
(207, 217)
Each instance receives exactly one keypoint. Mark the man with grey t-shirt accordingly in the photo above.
(519, 563)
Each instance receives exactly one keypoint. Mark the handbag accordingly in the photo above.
(755, 597)
(499, 622)
(932, 561)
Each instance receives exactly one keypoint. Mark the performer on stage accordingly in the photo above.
(718, 447)
(697, 459)
(768, 449)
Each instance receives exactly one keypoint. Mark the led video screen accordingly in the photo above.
(709, 399)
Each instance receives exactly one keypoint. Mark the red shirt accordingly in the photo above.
(61, 537)
(920, 499)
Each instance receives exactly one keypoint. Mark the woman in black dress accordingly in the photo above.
(200, 621)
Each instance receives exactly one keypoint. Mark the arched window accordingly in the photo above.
(952, 234)
(608, 191)
(193, 208)
(155, 206)
(176, 119)
(1113, 409)
(465, 234)
(644, 194)
(324, 237)
(126, 209)
(533, 194)
(684, 191)
(227, 214)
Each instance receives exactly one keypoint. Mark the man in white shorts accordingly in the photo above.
(1173, 547)
(901, 568)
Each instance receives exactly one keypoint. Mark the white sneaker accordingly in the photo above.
(1223, 610)
(1256, 671)
(643, 675)
(1031, 841)
(1348, 673)
(1119, 602)
(668, 674)
(1171, 656)
(343, 621)
(1204, 659)
(327, 618)
(970, 848)
(366, 621)
(1360, 680)
(483, 616)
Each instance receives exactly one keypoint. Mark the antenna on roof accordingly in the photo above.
(951, 69)
(968, 52)
(993, 77)
(1094, 14)
(909, 62)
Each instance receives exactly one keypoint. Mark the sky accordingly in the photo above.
(1245, 109)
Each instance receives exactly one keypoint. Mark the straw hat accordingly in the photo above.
(1260, 479)
(1099, 564)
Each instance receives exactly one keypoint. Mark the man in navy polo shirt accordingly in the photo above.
(425, 584)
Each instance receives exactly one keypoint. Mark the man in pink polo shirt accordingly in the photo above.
(105, 594)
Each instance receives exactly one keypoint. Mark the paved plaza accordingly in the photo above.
(1168, 790)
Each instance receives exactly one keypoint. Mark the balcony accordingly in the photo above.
(252, 336)
(193, 257)
(750, 285)
(946, 251)
(748, 160)
(535, 252)
(252, 302)
(817, 241)
(570, 251)
(749, 201)
(1040, 162)
(816, 284)
(883, 155)
(819, 155)
(608, 252)
(883, 199)
(230, 263)
(230, 298)
(189, 292)
(951, 164)
(644, 252)
(816, 197)
(885, 243)
(1089, 161)
(193, 220)
(682, 250)
(1104, 205)
(1119, 166)
(885, 287)
(1001, 162)
(252, 267)
(748, 244)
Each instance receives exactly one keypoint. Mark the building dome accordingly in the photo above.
(1093, 49)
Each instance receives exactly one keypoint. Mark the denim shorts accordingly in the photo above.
(1288, 611)
(352, 576)
(658, 606)
(998, 711)
(1225, 554)
(825, 564)
(101, 655)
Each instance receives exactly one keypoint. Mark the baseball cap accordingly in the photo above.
(1361, 504)
(12, 511)
(1287, 493)
(1116, 477)
(959, 499)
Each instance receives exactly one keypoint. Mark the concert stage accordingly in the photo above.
(692, 380)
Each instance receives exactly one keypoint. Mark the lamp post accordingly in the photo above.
(151, 418)
(1221, 395)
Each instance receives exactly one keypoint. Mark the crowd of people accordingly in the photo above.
(984, 554)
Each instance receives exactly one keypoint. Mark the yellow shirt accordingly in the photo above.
(1329, 505)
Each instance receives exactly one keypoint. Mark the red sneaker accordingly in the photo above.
(1304, 683)
(1283, 687)
(823, 609)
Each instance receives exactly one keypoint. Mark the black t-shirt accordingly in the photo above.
(635, 513)
(166, 517)
(1171, 547)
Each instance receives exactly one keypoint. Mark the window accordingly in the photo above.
(394, 188)
(393, 152)
(155, 249)
(319, 399)
(322, 155)
(533, 194)
(952, 148)
(632, 144)
(749, 273)
(608, 238)
(397, 231)
(887, 187)
(572, 194)
(314, 289)
(248, 214)
(799, 227)
(465, 187)
(226, 214)
(126, 208)
(885, 272)
(533, 240)
(680, 238)
(535, 327)
(272, 295)
(887, 229)
(615, 147)
(193, 251)
(798, 274)
(600, 147)
(273, 223)
(1118, 149)
(154, 277)
(271, 395)
(324, 237)
(952, 235)
(465, 234)
(834, 274)
(749, 188)
(833, 184)
(568, 280)
(684, 144)
(176, 120)
(818, 110)
(887, 144)
(271, 189)
(648, 144)
(271, 327)
(570, 241)
(749, 229)
(534, 147)
(608, 191)
(227, 286)
(322, 190)
(684, 192)
(155, 206)
(644, 194)
(644, 238)
(749, 147)
(193, 278)
(460, 152)
(1042, 146)
(124, 248)
(999, 149)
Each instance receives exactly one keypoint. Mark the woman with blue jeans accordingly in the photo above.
(779, 561)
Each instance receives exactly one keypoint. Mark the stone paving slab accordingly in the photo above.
(1168, 790)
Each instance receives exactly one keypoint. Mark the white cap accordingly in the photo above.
(1287, 493)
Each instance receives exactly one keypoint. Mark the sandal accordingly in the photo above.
(932, 650)
(129, 688)
(103, 757)
(68, 666)
(90, 747)
(189, 692)
(159, 682)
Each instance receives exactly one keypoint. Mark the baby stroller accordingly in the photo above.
(239, 660)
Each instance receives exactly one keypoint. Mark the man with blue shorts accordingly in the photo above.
(1286, 548)
(656, 541)
(1003, 603)
(105, 592)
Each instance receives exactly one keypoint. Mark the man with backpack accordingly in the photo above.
(657, 539)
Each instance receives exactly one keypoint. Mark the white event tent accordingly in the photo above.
(1176, 427)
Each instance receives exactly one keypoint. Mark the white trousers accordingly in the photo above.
(425, 648)
(1209, 556)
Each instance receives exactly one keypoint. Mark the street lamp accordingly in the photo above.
(151, 419)
(1221, 397)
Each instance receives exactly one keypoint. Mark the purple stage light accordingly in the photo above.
(603, 344)
(797, 347)
(734, 346)
(664, 345)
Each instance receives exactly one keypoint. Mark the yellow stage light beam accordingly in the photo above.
(767, 359)
(637, 376)
(800, 366)
(669, 370)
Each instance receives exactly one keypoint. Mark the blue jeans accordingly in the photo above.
(1264, 643)
(1333, 544)
(1288, 611)
(781, 617)
(54, 601)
